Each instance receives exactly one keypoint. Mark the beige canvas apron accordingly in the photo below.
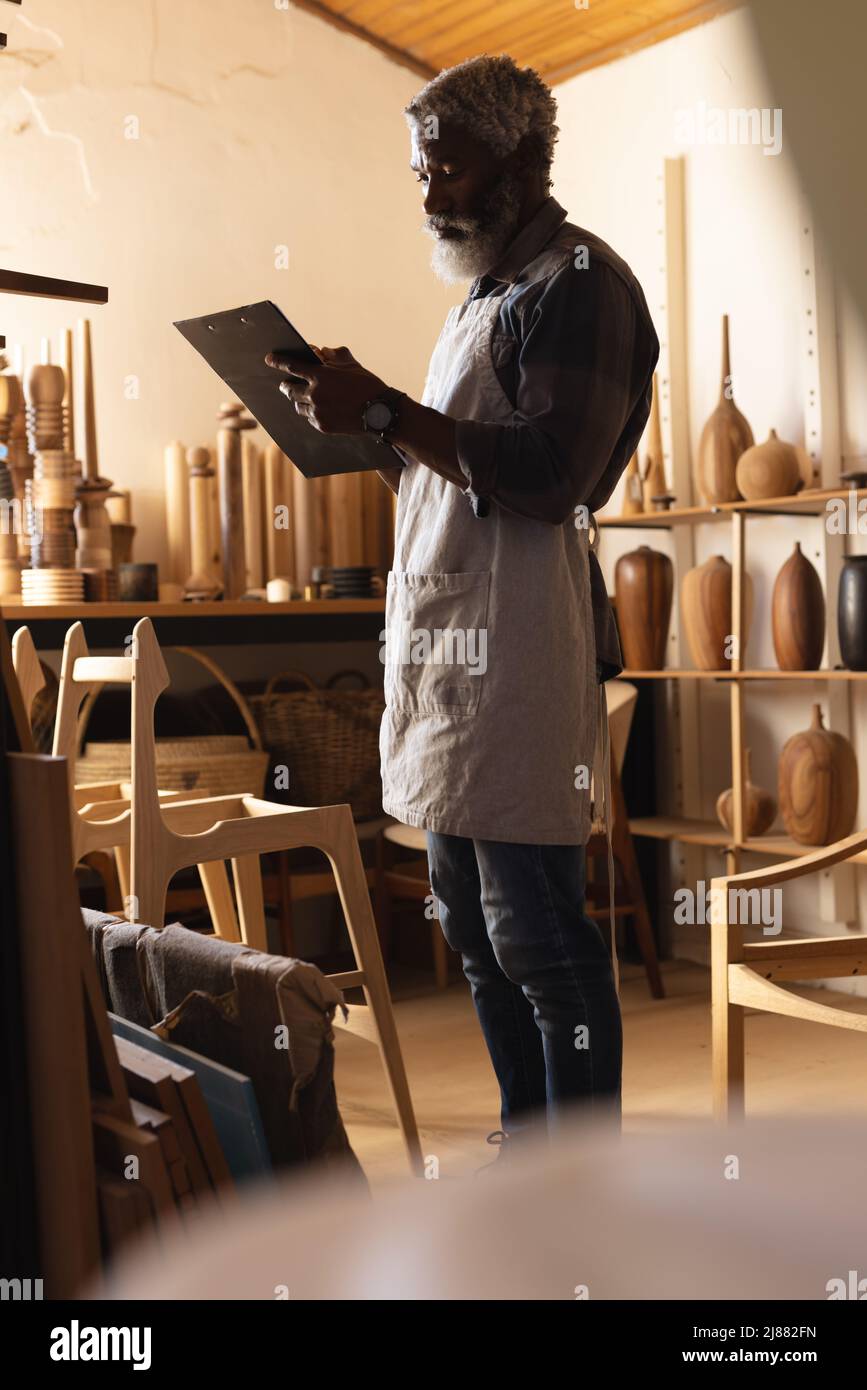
(490, 668)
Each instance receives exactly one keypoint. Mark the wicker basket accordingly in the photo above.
(327, 739)
(216, 764)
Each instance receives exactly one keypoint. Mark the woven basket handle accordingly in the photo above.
(300, 677)
(216, 671)
(339, 675)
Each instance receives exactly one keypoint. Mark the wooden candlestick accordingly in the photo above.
(201, 583)
(231, 482)
(92, 525)
(69, 395)
(91, 461)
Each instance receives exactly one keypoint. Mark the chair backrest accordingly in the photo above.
(28, 671)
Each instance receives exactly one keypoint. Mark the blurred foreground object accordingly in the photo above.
(772, 1210)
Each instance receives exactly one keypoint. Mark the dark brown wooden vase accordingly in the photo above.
(643, 587)
(798, 615)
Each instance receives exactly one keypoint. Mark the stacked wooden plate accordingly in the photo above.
(51, 586)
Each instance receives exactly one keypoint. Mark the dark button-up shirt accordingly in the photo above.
(574, 350)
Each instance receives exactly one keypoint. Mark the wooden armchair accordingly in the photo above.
(166, 837)
(748, 974)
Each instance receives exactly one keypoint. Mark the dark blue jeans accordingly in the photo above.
(540, 974)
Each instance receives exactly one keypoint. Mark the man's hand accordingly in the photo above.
(332, 396)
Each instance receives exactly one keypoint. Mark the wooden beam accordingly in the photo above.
(47, 287)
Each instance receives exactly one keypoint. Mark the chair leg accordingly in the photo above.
(218, 895)
(624, 854)
(121, 861)
(247, 873)
(383, 900)
(355, 900)
(727, 1027)
(287, 928)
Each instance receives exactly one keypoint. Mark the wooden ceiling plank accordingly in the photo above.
(517, 37)
(412, 27)
(458, 27)
(382, 17)
(689, 19)
(397, 55)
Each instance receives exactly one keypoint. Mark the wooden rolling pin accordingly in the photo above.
(231, 482)
(279, 526)
(177, 484)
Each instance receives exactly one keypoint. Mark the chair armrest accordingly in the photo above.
(804, 864)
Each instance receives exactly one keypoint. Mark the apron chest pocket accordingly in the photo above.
(436, 641)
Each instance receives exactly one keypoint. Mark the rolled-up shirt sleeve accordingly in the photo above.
(585, 358)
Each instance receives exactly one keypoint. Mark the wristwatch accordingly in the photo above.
(380, 414)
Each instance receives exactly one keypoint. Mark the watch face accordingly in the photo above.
(378, 415)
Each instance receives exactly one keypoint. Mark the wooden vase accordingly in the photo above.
(852, 612)
(767, 470)
(724, 438)
(706, 607)
(643, 586)
(653, 482)
(818, 785)
(759, 806)
(798, 615)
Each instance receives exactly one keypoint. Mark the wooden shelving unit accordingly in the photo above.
(711, 834)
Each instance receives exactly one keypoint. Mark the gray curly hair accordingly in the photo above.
(497, 102)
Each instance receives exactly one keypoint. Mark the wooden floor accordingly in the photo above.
(792, 1067)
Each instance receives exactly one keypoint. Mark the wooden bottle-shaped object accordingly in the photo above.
(643, 585)
(633, 491)
(798, 614)
(706, 608)
(653, 479)
(231, 481)
(768, 470)
(93, 525)
(759, 806)
(818, 785)
(202, 583)
(724, 438)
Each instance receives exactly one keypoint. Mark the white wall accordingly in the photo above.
(618, 123)
(259, 127)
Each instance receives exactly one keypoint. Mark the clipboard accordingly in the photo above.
(234, 344)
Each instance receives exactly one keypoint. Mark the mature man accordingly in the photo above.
(536, 396)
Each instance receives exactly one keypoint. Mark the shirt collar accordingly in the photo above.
(529, 242)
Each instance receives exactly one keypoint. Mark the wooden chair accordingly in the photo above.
(747, 975)
(168, 837)
(101, 812)
(629, 900)
(407, 879)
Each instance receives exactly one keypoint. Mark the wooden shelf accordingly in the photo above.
(231, 608)
(712, 835)
(675, 673)
(688, 832)
(807, 503)
(47, 287)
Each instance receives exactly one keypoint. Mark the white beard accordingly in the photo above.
(484, 238)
